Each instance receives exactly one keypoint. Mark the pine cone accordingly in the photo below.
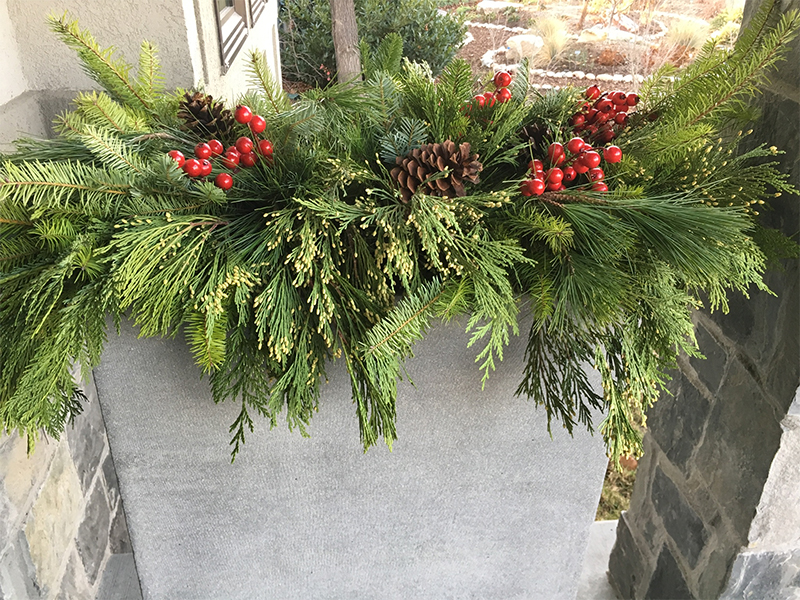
(420, 164)
(205, 117)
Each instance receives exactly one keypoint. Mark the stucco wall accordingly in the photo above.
(49, 64)
(41, 75)
(184, 32)
(13, 82)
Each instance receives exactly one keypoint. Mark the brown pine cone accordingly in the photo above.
(205, 117)
(418, 166)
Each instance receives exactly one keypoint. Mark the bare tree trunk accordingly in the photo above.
(583, 14)
(345, 39)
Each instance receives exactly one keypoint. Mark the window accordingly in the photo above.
(232, 21)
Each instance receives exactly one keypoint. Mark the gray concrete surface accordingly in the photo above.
(593, 583)
(475, 501)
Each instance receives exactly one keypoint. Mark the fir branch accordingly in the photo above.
(259, 76)
(98, 64)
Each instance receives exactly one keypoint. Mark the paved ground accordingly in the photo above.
(593, 583)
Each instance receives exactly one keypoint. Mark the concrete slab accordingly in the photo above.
(475, 501)
(593, 583)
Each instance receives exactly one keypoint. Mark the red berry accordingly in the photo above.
(579, 167)
(249, 159)
(575, 145)
(231, 159)
(177, 156)
(554, 175)
(590, 159)
(532, 187)
(599, 186)
(502, 79)
(489, 97)
(593, 92)
(604, 105)
(192, 167)
(621, 118)
(577, 120)
(596, 174)
(480, 100)
(503, 95)
(224, 181)
(265, 147)
(244, 145)
(525, 188)
(536, 165)
(612, 154)
(632, 100)
(258, 124)
(606, 135)
(243, 114)
(205, 167)
(602, 117)
(591, 115)
(554, 186)
(216, 147)
(554, 151)
(202, 150)
(570, 174)
(618, 97)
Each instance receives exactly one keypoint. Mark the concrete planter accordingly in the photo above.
(475, 501)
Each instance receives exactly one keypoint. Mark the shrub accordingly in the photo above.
(307, 46)
(554, 34)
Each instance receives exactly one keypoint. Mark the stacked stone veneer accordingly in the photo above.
(62, 526)
(716, 506)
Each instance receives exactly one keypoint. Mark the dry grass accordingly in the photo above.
(616, 495)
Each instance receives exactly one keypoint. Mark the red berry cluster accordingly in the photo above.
(501, 94)
(567, 165)
(244, 153)
(604, 115)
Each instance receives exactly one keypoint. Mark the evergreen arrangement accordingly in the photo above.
(341, 226)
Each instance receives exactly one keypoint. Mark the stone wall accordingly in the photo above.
(63, 533)
(725, 437)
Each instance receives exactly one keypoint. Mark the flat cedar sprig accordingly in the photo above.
(316, 253)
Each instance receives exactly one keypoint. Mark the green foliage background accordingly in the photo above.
(307, 47)
(315, 256)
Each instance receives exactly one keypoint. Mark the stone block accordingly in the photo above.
(74, 586)
(626, 567)
(21, 474)
(87, 439)
(741, 439)
(782, 375)
(110, 476)
(17, 573)
(668, 582)
(677, 422)
(715, 573)
(119, 541)
(92, 539)
(52, 521)
(777, 522)
(120, 581)
(765, 576)
(680, 520)
(710, 369)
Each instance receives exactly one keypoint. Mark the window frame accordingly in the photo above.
(233, 28)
